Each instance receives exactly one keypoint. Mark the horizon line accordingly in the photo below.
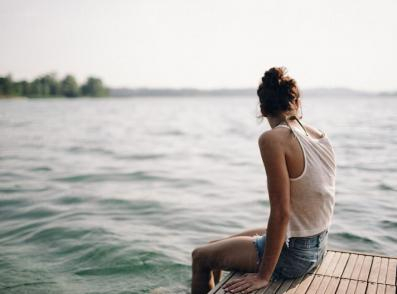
(249, 89)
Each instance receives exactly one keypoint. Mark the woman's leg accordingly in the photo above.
(236, 253)
(251, 232)
(217, 273)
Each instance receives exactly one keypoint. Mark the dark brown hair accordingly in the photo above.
(276, 91)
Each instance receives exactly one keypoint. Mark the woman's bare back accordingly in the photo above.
(293, 151)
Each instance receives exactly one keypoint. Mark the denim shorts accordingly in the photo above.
(298, 256)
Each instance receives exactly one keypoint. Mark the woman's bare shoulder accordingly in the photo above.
(275, 135)
(272, 147)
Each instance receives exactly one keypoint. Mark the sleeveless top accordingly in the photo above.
(313, 192)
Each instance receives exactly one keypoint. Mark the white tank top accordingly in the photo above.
(313, 192)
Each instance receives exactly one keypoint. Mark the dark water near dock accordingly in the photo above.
(111, 195)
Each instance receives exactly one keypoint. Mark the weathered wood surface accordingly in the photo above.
(340, 272)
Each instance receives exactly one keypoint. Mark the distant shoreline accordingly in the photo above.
(49, 86)
(221, 92)
(175, 92)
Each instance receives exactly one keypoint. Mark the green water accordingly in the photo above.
(111, 196)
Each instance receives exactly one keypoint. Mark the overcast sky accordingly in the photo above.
(205, 43)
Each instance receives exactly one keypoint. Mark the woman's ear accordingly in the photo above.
(295, 104)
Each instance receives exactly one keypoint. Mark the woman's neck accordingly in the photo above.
(281, 119)
(276, 120)
(273, 122)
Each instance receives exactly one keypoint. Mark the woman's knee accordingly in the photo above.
(229, 254)
(197, 254)
(200, 256)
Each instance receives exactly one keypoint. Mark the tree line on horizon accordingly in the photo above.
(49, 86)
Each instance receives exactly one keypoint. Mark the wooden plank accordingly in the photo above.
(361, 287)
(294, 285)
(304, 284)
(312, 271)
(341, 265)
(315, 284)
(326, 261)
(285, 286)
(218, 287)
(381, 289)
(324, 284)
(371, 289)
(271, 289)
(390, 289)
(357, 267)
(332, 285)
(383, 270)
(352, 287)
(360, 253)
(373, 275)
(391, 272)
(350, 266)
(332, 264)
(342, 287)
(366, 267)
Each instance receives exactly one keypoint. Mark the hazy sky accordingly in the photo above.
(206, 44)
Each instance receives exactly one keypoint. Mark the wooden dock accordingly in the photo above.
(340, 272)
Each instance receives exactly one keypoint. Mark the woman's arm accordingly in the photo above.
(273, 156)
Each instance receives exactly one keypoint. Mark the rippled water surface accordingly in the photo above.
(112, 195)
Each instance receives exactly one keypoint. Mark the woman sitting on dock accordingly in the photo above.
(300, 166)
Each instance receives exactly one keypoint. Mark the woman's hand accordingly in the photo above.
(247, 283)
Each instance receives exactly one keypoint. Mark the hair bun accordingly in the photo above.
(276, 91)
(273, 78)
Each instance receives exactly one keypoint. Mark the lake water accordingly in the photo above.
(112, 195)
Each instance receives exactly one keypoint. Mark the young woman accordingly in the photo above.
(300, 165)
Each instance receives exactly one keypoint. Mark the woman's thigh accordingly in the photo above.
(236, 253)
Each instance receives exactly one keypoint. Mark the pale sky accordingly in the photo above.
(203, 43)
